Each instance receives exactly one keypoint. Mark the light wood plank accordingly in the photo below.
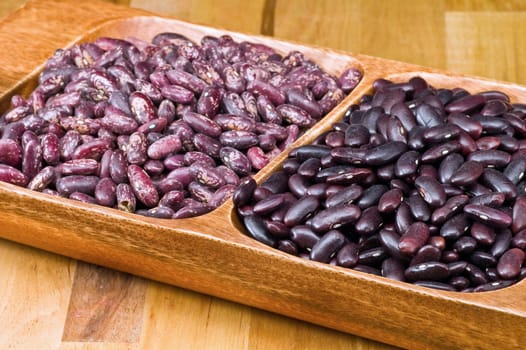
(34, 293)
(483, 43)
(238, 15)
(105, 305)
(410, 31)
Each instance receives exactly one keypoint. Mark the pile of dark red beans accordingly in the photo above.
(419, 184)
(163, 129)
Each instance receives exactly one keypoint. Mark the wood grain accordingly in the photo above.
(35, 298)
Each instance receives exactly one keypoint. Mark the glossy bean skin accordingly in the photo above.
(142, 186)
(333, 218)
(415, 237)
(327, 246)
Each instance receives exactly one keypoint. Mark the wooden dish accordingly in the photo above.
(212, 255)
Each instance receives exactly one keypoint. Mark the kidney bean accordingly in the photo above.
(81, 166)
(407, 164)
(10, 152)
(467, 173)
(333, 218)
(510, 263)
(369, 221)
(142, 186)
(414, 238)
(371, 196)
(42, 180)
(496, 181)
(385, 153)
(418, 207)
(448, 166)
(431, 190)
(519, 215)
(427, 116)
(427, 271)
(426, 253)
(106, 192)
(76, 183)
(93, 149)
(327, 246)
(256, 228)
(493, 217)
(31, 156)
(515, 170)
(452, 206)
(438, 152)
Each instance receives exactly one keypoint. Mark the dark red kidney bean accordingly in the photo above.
(403, 218)
(356, 135)
(477, 189)
(440, 151)
(431, 190)
(519, 240)
(414, 238)
(189, 211)
(519, 215)
(457, 268)
(371, 195)
(407, 164)
(78, 167)
(309, 168)
(493, 286)
(207, 145)
(465, 245)
(441, 133)
(202, 124)
(327, 246)
(386, 172)
(105, 192)
(276, 183)
(426, 253)
(385, 153)
(11, 152)
(301, 210)
(125, 198)
(142, 186)
(415, 138)
(466, 104)
(515, 170)
(404, 114)
(373, 256)
(369, 222)
(389, 239)
(76, 183)
(418, 207)
(502, 243)
(427, 271)
(485, 235)
(467, 144)
(496, 181)
(393, 269)
(346, 196)
(452, 206)
(42, 180)
(348, 255)
(333, 218)
(318, 190)
(490, 216)
(278, 229)
(510, 263)
(354, 175)
(482, 259)
(508, 143)
(427, 116)
(469, 125)
(448, 166)
(428, 170)
(395, 130)
(287, 246)
(335, 139)
(348, 155)
(269, 204)
(452, 190)
(476, 275)
(324, 173)
(450, 256)
(516, 123)
(467, 173)
(298, 185)
(459, 282)
(257, 230)
(304, 236)
(491, 125)
(390, 200)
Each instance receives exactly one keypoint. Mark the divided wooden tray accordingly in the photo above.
(211, 254)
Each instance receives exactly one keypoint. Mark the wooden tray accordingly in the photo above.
(219, 259)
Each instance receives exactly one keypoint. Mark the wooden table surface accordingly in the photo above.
(52, 302)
